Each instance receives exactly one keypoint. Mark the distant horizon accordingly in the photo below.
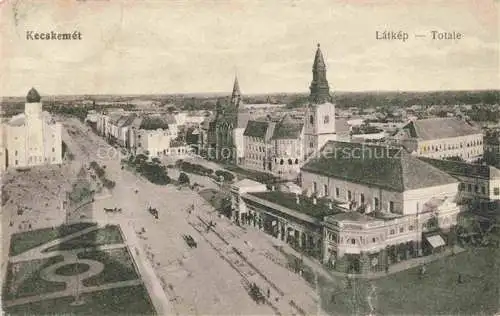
(228, 93)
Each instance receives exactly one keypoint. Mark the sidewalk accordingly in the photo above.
(395, 268)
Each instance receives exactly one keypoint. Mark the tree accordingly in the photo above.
(183, 178)
(455, 158)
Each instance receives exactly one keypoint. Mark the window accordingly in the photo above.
(353, 241)
(296, 161)
(401, 230)
(362, 198)
(282, 162)
(410, 228)
(496, 191)
(325, 189)
(392, 232)
(337, 192)
(17, 162)
(469, 187)
(16, 153)
(311, 144)
(53, 149)
(326, 119)
(311, 119)
(315, 187)
(290, 162)
(374, 240)
(349, 195)
(391, 206)
(376, 203)
(483, 190)
(461, 187)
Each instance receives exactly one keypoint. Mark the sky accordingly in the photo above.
(163, 47)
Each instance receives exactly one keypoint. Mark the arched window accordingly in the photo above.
(281, 162)
(353, 241)
(290, 161)
(326, 119)
(296, 161)
(311, 119)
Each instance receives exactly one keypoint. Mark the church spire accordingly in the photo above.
(236, 95)
(320, 91)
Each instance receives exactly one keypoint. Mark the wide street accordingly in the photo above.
(211, 278)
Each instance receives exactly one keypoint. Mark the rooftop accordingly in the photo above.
(288, 128)
(257, 129)
(33, 96)
(247, 182)
(352, 217)
(378, 166)
(305, 206)
(437, 128)
(459, 168)
(153, 123)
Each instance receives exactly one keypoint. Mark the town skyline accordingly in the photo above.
(270, 47)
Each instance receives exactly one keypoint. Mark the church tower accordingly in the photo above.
(320, 91)
(34, 128)
(236, 95)
(320, 112)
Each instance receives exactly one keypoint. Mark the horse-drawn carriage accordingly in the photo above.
(113, 210)
(153, 211)
(190, 241)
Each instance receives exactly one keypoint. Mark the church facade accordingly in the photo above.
(283, 145)
(32, 138)
(226, 131)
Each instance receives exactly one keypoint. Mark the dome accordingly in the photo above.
(33, 96)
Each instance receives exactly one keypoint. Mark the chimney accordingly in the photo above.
(297, 199)
(315, 201)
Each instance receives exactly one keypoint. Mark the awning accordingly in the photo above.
(435, 241)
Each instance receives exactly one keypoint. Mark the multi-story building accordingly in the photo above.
(442, 138)
(365, 207)
(33, 137)
(492, 149)
(274, 145)
(152, 137)
(118, 127)
(479, 184)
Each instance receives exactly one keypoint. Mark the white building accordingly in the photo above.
(405, 195)
(366, 207)
(155, 136)
(33, 138)
(274, 145)
(442, 138)
(479, 184)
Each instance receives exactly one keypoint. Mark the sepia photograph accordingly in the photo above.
(257, 157)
